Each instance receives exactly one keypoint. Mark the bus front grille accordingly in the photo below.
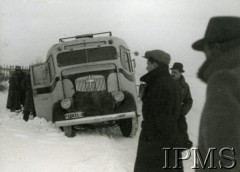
(90, 83)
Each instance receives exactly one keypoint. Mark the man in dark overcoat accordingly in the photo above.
(187, 101)
(15, 90)
(220, 120)
(160, 109)
(29, 104)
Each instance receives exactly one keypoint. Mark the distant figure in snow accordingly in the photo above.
(29, 104)
(220, 120)
(15, 92)
(187, 101)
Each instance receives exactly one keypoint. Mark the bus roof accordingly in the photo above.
(83, 42)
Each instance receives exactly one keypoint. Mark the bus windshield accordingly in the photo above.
(86, 56)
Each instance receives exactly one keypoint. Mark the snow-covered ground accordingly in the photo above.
(39, 146)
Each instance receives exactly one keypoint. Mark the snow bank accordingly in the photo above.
(38, 145)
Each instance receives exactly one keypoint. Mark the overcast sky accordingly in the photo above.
(28, 28)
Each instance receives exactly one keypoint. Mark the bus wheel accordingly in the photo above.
(129, 126)
(68, 130)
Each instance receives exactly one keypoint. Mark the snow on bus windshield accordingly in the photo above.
(86, 56)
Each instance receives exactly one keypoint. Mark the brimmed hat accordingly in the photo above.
(158, 55)
(178, 66)
(219, 30)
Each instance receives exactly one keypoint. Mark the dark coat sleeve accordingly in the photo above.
(219, 125)
(187, 100)
(23, 84)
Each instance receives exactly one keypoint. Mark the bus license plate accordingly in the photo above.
(74, 115)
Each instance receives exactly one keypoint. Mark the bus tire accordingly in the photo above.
(68, 130)
(129, 126)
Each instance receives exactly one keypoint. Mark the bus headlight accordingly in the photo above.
(66, 103)
(118, 96)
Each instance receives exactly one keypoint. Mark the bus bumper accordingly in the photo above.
(96, 119)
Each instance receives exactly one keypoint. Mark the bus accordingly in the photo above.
(87, 80)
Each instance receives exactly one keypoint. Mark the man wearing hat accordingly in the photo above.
(220, 120)
(15, 93)
(160, 109)
(187, 101)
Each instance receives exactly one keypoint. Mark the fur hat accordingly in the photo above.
(158, 55)
(219, 30)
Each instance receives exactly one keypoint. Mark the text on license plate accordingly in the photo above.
(74, 115)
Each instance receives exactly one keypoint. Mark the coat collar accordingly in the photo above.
(227, 60)
(151, 76)
(181, 80)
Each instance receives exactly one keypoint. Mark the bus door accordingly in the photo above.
(40, 80)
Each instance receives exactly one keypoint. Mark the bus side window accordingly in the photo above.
(40, 74)
(129, 62)
(51, 69)
(125, 60)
